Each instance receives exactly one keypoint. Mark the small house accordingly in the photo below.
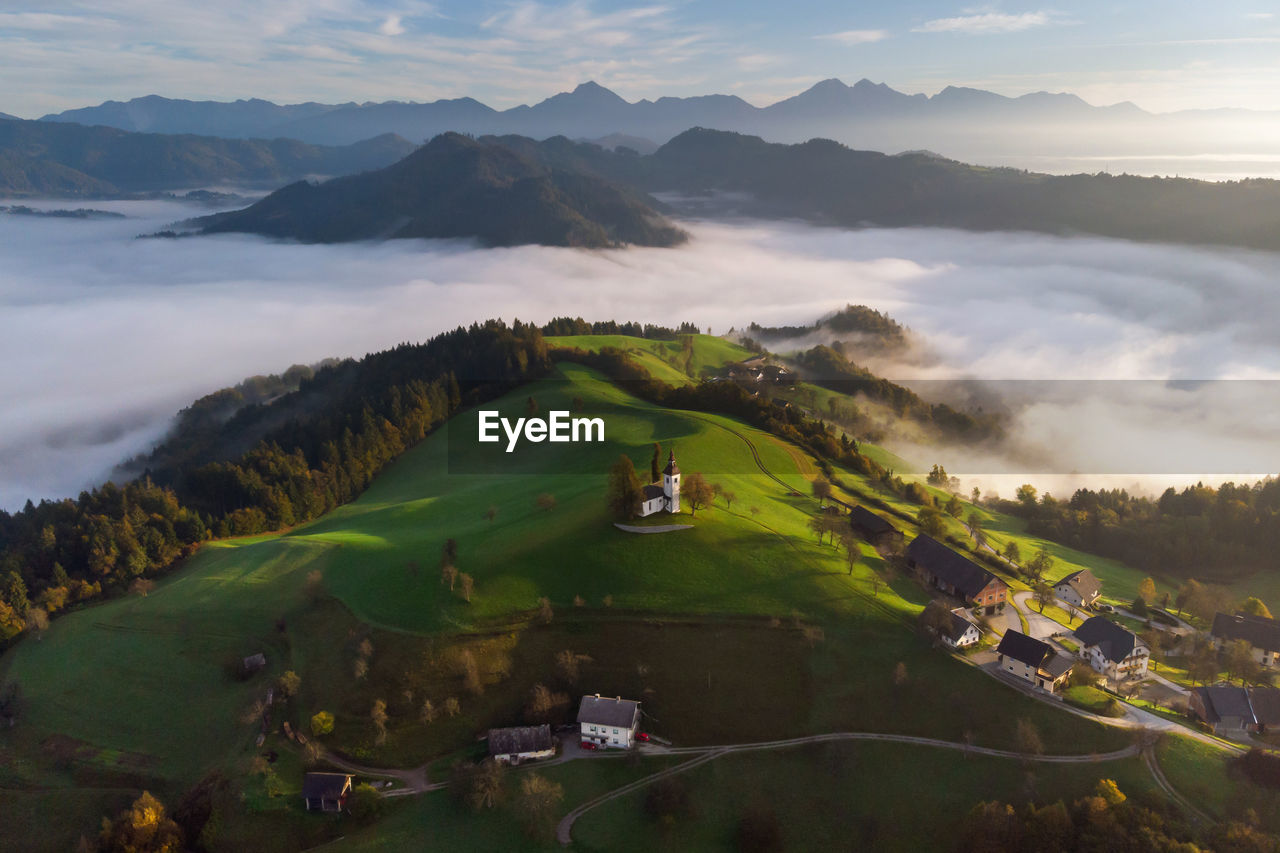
(955, 575)
(961, 632)
(253, 664)
(326, 792)
(664, 496)
(608, 722)
(1224, 707)
(1112, 649)
(873, 528)
(521, 743)
(1032, 660)
(1262, 635)
(1079, 589)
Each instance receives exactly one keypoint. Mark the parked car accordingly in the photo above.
(1104, 608)
(643, 737)
(588, 744)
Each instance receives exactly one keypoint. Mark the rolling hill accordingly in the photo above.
(457, 187)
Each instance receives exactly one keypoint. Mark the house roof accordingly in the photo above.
(520, 739)
(603, 711)
(651, 491)
(1114, 641)
(1265, 702)
(672, 468)
(1058, 664)
(875, 525)
(258, 660)
(324, 785)
(960, 572)
(1257, 631)
(1224, 700)
(1084, 583)
(1020, 647)
(958, 626)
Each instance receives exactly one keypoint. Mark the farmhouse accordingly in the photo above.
(1080, 589)
(608, 722)
(873, 528)
(961, 632)
(956, 575)
(664, 496)
(1112, 650)
(1032, 660)
(326, 792)
(1262, 635)
(1230, 709)
(521, 743)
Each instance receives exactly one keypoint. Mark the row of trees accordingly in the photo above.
(308, 452)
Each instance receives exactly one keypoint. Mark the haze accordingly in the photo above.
(106, 336)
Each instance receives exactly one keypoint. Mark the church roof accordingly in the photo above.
(672, 468)
(651, 491)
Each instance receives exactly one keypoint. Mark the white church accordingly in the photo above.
(665, 497)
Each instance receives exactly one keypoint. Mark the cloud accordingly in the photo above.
(114, 335)
(985, 23)
(852, 37)
(391, 26)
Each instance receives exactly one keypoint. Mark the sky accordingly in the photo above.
(114, 334)
(1164, 56)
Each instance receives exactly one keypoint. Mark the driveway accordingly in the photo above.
(1040, 627)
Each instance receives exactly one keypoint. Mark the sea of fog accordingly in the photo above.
(103, 337)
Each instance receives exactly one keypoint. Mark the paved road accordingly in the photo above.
(704, 754)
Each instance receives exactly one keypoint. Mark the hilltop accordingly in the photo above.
(456, 186)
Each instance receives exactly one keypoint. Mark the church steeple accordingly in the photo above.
(671, 468)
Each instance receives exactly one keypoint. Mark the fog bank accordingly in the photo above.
(106, 336)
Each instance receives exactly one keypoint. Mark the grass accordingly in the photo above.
(664, 359)
(1094, 700)
(846, 796)
(1203, 774)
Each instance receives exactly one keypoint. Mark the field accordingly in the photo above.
(742, 628)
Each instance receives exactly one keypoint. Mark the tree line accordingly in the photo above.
(299, 456)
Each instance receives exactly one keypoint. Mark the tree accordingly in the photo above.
(538, 805)
(822, 490)
(1154, 640)
(937, 476)
(1026, 738)
(569, 666)
(290, 682)
(1039, 564)
(314, 586)
(974, 524)
(696, 491)
(449, 552)
(544, 703)
(142, 828)
(1012, 553)
(1239, 660)
(142, 586)
(379, 718)
(466, 585)
(545, 501)
(1043, 595)
(667, 800)
(449, 575)
(729, 498)
(478, 786)
(1108, 790)
(366, 804)
(1026, 495)
(321, 723)
(37, 621)
(655, 464)
(1254, 607)
(491, 513)
(1147, 590)
(852, 547)
(1202, 664)
(452, 707)
(427, 714)
(930, 521)
(935, 619)
(545, 613)
(954, 507)
(900, 676)
(625, 492)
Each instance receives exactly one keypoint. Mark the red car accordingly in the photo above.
(587, 744)
(643, 737)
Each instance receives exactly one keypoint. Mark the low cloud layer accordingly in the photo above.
(105, 337)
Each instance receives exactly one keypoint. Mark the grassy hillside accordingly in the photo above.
(664, 359)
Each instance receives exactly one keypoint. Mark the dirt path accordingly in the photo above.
(1153, 764)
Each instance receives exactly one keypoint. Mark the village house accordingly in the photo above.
(608, 722)
(956, 575)
(663, 497)
(1112, 649)
(1033, 660)
(521, 743)
(1262, 635)
(961, 631)
(326, 792)
(1080, 589)
(873, 528)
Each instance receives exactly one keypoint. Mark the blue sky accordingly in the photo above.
(1161, 55)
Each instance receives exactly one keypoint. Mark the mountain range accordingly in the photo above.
(590, 111)
(56, 159)
(456, 186)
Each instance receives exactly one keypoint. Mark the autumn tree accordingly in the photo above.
(1043, 595)
(321, 723)
(931, 521)
(538, 805)
(729, 497)
(478, 786)
(290, 683)
(1039, 564)
(569, 665)
(545, 612)
(427, 713)
(544, 704)
(545, 501)
(142, 828)
(1202, 664)
(1147, 590)
(822, 490)
(655, 464)
(851, 545)
(1026, 738)
(378, 716)
(696, 491)
(452, 707)
(625, 492)
(449, 575)
(466, 585)
(1012, 553)
(1254, 607)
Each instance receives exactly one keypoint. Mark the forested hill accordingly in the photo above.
(54, 159)
(825, 182)
(456, 186)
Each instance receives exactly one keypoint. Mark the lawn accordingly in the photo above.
(842, 796)
(1203, 774)
(1094, 700)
